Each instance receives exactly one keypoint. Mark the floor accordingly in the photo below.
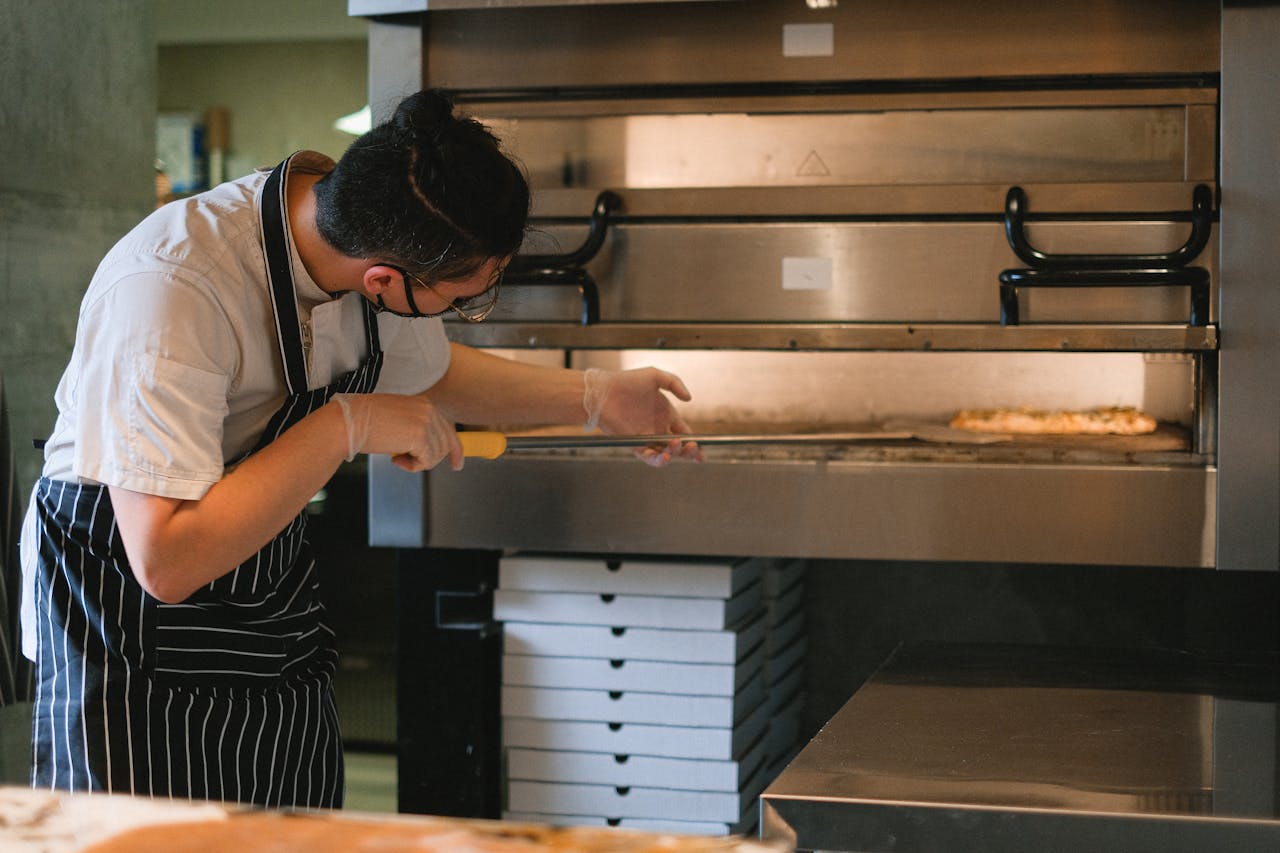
(359, 585)
(371, 782)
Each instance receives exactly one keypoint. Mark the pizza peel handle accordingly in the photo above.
(482, 443)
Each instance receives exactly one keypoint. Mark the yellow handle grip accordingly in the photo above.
(486, 445)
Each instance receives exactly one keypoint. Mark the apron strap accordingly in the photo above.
(274, 230)
(275, 242)
(371, 328)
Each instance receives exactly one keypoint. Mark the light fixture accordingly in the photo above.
(356, 123)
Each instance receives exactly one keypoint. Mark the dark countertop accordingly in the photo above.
(993, 748)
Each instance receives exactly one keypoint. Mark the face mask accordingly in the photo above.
(408, 296)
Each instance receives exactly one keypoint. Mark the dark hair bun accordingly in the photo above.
(428, 189)
(423, 118)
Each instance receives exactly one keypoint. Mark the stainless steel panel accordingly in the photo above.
(395, 63)
(873, 40)
(900, 147)
(516, 104)
(394, 500)
(867, 201)
(1015, 748)
(880, 272)
(1032, 513)
(1249, 409)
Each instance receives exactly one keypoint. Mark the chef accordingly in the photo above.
(231, 352)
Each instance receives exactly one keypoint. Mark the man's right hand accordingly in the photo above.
(406, 427)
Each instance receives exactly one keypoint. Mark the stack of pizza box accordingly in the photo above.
(786, 646)
(635, 691)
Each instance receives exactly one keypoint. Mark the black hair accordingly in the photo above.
(427, 190)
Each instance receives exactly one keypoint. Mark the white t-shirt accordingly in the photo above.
(176, 368)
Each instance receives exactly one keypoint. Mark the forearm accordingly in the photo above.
(177, 546)
(480, 388)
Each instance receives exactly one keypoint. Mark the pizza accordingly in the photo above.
(1108, 420)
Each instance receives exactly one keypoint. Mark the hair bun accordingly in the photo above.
(423, 117)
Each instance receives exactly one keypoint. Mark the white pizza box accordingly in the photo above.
(782, 691)
(783, 734)
(695, 679)
(693, 742)
(646, 771)
(728, 645)
(632, 802)
(637, 611)
(778, 637)
(779, 609)
(785, 741)
(781, 665)
(781, 575)
(633, 706)
(745, 825)
(685, 577)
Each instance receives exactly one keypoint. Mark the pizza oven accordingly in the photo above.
(864, 216)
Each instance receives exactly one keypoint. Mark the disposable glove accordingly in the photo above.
(632, 402)
(404, 426)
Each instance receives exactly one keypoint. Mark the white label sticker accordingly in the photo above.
(808, 39)
(806, 273)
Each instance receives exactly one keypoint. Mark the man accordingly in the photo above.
(231, 352)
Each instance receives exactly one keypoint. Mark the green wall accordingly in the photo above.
(280, 96)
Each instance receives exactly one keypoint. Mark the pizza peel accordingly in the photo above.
(486, 444)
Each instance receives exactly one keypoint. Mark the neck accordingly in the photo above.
(332, 271)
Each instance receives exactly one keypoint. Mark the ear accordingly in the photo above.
(378, 279)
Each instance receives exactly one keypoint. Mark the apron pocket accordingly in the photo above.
(203, 647)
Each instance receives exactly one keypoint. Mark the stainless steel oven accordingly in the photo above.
(867, 214)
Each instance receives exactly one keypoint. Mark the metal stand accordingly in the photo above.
(448, 684)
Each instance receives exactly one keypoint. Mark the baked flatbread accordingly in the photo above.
(1110, 420)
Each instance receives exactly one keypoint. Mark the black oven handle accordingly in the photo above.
(1195, 278)
(1015, 215)
(607, 203)
(588, 293)
(566, 270)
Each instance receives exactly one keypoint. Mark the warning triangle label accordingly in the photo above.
(813, 167)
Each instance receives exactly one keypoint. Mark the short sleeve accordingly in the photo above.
(152, 386)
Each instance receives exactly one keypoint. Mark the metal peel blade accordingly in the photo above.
(491, 445)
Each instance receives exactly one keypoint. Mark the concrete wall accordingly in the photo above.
(80, 85)
(77, 151)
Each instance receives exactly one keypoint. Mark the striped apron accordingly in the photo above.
(225, 696)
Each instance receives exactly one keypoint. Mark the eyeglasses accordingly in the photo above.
(473, 309)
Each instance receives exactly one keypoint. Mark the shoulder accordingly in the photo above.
(311, 162)
(198, 235)
(416, 353)
(206, 247)
(188, 278)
